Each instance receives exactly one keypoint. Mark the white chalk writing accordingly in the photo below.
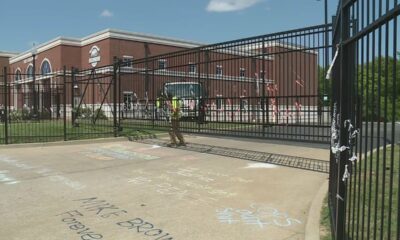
(6, 179)
(258, 215)
(54, 176)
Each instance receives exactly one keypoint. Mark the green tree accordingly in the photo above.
(324, 86)
(378, 84)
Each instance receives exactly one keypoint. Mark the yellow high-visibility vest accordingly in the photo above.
(175, 108)
(175, 103)
(158, 102)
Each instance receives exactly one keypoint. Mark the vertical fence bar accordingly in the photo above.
(119, 94)
(263, 88)
(198, 90)
(65, 101)
(6, 106)
(114, 82)
(72, 96)
(155, 96)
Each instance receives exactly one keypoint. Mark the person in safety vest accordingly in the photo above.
(175, 122)
(159, 106)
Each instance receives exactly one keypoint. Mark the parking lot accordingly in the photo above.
(127, 190)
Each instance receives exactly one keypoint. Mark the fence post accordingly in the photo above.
(198, 90)
(263, 88)
(5, 106)
(115, 68)
(72, 96)
(65, 102)
(154, 96)
(119, 96)
(345, 66)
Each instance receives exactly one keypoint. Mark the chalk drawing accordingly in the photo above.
(160, 187)
(258, 215)
(240, 180)
(190, 172)
(261, 165)
(207, 176)
(54, 176)
(6, 179)
(148, 148)
(116, 152)
(15, 163)
(185, 191)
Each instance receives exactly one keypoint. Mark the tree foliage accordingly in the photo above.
(378, 84)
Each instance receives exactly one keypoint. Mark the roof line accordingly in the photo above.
(101, 35)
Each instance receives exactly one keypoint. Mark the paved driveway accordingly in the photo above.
(125, 190)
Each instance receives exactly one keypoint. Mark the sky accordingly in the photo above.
(27, 22)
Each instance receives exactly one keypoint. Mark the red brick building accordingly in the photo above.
(288, 70)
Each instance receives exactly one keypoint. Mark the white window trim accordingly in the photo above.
(240, 71)
(219, 97)
(165, 64)
(27, 68)
(127, 57)
(222, 70)
(20, 72)
(195, 67)
(41, 65)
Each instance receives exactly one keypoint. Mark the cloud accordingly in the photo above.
(230, 5)
(106, 13)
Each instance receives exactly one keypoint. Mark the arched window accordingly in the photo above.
(18, 75)
(29, 71)
(45, 68)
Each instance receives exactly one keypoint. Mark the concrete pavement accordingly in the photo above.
(126, 190)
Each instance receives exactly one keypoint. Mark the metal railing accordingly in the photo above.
(364, 179)
(269, 86)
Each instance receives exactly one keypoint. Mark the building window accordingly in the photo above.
(29, 71)
(162, 64)
(127, 61)
(128, 100)
(18, 75)
(192, 68)
(45, 68)
(218, 70)
(242, 72)
(262, 74)
(220, 102)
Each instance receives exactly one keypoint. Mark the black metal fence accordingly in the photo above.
(364, 175)
(58, 106)
(270, 86)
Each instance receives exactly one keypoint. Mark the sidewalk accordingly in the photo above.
(129, 190)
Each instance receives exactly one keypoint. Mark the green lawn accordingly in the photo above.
(369, 201)
(382, 171)
(53, 130)
(325, 222)
(49, 131)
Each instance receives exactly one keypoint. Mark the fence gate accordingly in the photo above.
(364, 179)
(93, 107)
(270, 86)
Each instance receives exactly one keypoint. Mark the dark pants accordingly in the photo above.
(174, 132)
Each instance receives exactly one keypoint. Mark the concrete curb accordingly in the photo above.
(314, 214)
(84, 141)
